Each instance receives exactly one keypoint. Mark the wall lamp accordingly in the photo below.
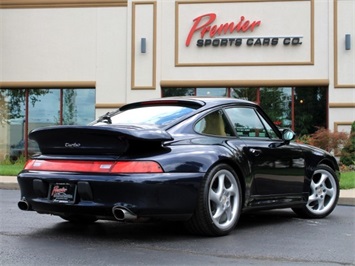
(143, 45)
(347, 41)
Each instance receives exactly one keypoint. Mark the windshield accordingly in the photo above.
(152, 115)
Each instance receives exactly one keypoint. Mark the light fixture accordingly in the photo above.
(347, 41)
(143, 45)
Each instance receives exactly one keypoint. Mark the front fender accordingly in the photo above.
(314, 157)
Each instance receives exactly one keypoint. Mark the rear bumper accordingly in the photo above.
(167, 195)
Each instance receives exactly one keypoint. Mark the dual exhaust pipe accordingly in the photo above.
(120, 214)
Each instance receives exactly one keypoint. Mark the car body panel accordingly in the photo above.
(273, 172)
(152, 195)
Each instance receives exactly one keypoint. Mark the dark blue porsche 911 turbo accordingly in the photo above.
(202, 161)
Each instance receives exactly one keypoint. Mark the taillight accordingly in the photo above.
(94, 166)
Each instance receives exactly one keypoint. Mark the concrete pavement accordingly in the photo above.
(347, 197)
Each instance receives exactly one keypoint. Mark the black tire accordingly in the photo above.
(79, 219)
(323, 194)
(219, 203)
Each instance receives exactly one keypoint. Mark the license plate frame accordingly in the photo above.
(62, 192)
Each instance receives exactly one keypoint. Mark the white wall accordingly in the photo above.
(342, 65)
(67, 44)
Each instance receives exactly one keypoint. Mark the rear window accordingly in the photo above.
(152, 115)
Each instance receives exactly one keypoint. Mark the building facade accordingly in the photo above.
(70, 61)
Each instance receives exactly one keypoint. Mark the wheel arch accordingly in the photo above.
(314, 160)
(329, 163)
(333, 165)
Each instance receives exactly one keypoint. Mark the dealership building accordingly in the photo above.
(69, 61)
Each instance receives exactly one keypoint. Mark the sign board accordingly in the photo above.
(244, 33)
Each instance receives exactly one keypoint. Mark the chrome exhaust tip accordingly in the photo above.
(122, 214)
(23, 205)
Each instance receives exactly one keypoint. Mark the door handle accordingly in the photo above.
(255, 152)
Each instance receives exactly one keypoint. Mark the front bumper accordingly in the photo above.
(166, 196)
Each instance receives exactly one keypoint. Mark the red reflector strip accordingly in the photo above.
(136, 167)
(94, 166)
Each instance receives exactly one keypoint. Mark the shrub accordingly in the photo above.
(305, 139)
(329, 141)
(325, 139)
(7, 161)
(347, 156)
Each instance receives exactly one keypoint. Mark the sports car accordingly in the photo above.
(201, 161)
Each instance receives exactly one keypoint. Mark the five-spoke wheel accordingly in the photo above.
(219, 204)
(323, 194)
(223, 199)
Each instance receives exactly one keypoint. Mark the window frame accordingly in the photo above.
(260, 118)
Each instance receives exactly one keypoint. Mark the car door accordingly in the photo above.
(277, 168)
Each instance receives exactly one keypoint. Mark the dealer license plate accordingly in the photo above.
(62, 192)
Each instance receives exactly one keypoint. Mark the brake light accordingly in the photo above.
(94, 166)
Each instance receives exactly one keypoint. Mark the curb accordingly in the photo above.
(346, 201)
(13, 186)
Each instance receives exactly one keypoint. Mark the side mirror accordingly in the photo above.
(288, 135)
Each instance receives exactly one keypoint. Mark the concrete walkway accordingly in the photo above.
(347, 197)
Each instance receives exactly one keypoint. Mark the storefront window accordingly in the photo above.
(22, 110)
(12, 122)
(277, 102)
(310, 109)
(215, 92)
(249, 94)
(303, 109)
(43, 107)
(170, 92)
(76, 110)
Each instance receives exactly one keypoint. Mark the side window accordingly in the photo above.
(247, 123)
(269, 129)
(214, 124)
